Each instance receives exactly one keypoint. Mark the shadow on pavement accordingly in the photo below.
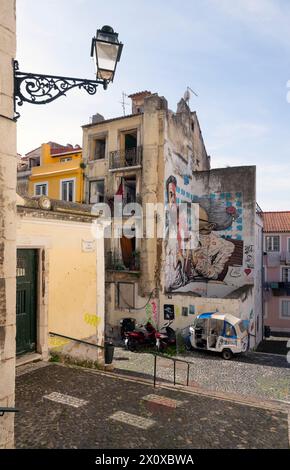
(250, 357)
(274, 347)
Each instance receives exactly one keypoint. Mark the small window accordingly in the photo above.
(97, 191)
(285, 274)
(67, 190)
(66, 159)
(130, 139)
(20, 269)
(273, 243)
(40, 189)
(285, 309)
(99, 149)
(288, 245)
(34, 162)
(129, 188)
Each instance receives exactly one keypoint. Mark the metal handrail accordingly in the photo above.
(8, 410)
(77, 340)
(174, 359)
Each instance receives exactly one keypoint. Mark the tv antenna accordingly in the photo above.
(187, 94)
(123, 103)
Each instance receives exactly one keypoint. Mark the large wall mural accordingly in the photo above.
(222, 259)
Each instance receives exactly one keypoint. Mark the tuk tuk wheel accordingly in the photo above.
(227, 354)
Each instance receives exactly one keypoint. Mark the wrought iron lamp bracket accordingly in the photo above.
(8, 410)
(36, 88)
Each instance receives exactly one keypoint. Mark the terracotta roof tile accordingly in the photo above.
(276, 221)
(140, 93)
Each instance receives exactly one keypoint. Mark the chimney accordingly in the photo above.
(138, 101)
(97, 118)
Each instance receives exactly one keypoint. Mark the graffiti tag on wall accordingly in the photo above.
(249, 259)
(93, 320)
(152, 312)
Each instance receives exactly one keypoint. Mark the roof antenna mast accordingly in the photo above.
(187, 94)
(123, 103)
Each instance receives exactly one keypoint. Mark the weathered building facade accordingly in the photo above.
(8, 158)
(158, 157)
(277, 271)
(60, 278)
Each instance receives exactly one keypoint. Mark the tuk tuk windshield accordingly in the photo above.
(229, 330)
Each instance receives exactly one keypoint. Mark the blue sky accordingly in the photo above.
(234, 54)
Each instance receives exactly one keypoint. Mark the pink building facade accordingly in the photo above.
(277, 271)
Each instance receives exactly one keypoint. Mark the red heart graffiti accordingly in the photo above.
(248, 271)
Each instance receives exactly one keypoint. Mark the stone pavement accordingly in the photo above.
(70, 407)
(261, 376)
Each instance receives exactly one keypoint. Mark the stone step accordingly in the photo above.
(27, 359)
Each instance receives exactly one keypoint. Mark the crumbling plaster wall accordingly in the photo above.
(164, 133)
(8, 161)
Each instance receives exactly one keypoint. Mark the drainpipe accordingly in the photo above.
(99, 228)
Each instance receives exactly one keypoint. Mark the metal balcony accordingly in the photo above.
(125, 158)
(278, 288)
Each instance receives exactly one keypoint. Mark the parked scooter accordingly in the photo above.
(126, 324)
(142, 336)
(165, 337)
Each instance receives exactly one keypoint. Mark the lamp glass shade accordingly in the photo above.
(106, 58)
(107, 50)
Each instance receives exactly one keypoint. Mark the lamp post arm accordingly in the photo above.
(36, 88)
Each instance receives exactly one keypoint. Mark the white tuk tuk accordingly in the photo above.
(219, 332)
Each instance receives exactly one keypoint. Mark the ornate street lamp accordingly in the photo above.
(107, 51)
(36, 88)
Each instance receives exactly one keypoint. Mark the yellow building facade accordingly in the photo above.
(59, 176)
(60, 266)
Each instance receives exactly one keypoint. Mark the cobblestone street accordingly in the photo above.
(69, 407)
(262, 376)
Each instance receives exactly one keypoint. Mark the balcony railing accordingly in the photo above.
(126, 158)
(285, 257)
(278, 288)
(115, 262)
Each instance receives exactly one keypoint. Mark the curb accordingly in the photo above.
(271, 405)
